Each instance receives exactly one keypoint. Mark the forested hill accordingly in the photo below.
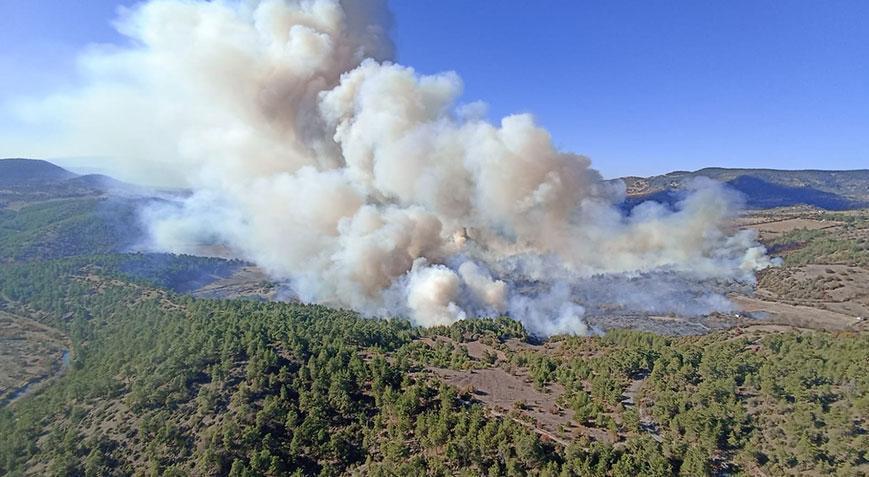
(31, 180)
(765, 188)
(144, 380)
(49, 212)
(162, 384)
(16, 172)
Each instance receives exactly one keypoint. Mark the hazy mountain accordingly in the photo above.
(17, 172)
(28, 172)
(47, 211)
(33, 180)
(764, 188)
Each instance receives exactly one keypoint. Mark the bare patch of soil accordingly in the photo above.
(839, 288)
(247, 282)
(771, 229)
(30, 352)
(795, 315)
(480, 351)
(508, 395)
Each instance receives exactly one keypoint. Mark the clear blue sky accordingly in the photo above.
(642, 87)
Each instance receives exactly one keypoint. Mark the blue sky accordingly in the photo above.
(642, 87)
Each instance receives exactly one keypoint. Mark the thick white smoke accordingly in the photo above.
(362, 183)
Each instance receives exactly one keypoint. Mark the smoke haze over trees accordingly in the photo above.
(363, 184)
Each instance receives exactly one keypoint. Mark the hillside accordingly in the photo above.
(28, 181)
(163, 384)
(19, 172)
(764, 188)
(48, 212)
(120, 364)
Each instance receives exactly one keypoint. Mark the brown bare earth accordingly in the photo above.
(247, 282)
(773, 228)
(796, 315)
(824, 281)
(772, 223)
(513, 395)
(479, 351)
(29, 354)
(838, 288)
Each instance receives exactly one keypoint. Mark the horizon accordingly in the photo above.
(85, 170)
(735, 86)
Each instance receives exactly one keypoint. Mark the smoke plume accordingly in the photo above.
(362, 183)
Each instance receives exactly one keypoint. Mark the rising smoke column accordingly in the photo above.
(362, 183)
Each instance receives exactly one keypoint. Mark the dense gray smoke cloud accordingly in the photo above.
(362, 183)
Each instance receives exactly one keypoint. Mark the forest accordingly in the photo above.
(375, 238)
(161, 383)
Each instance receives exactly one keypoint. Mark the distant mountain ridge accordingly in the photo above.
(14, 172)
(763, 188)
(35, 179)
